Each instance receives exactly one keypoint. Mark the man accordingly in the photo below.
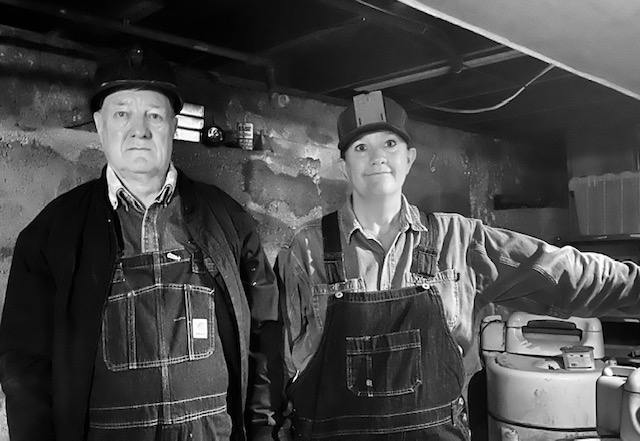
(135, 300)
(379, 298)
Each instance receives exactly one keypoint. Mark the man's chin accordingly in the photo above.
(143, 165)
(146, 171)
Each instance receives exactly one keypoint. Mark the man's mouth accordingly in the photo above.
(376, 173)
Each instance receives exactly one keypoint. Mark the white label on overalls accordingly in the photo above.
(200, 328)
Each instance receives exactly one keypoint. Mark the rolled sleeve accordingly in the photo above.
(528, 274)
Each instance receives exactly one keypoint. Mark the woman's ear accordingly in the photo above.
(343, 167)
(411, 157)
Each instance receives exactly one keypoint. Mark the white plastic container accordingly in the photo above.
(607, 204)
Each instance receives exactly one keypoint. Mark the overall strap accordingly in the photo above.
(425, 255)
(333, 255)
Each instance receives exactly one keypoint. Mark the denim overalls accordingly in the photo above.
(160, 368)
(387, 367)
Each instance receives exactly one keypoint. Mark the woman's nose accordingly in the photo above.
(378, 157)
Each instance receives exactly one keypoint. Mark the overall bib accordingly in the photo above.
(387, 367)
(160, 367)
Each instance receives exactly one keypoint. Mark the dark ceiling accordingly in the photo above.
(332, 49)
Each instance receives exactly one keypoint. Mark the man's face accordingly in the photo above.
(136, 129)
(377, 164)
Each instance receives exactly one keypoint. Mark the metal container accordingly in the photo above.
(618, 406)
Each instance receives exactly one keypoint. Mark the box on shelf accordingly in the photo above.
(607, 204)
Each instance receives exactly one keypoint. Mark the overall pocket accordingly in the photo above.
(323, 291)
(158, 325)
(446, 284)
(384, 365)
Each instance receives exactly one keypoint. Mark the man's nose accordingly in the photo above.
(140, 126)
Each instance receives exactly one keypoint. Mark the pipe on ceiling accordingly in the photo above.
(127, 28)
(486, 57)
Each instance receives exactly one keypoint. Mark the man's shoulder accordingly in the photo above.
(63, 210)
(209, 202)
(212, 193)
(74, 198)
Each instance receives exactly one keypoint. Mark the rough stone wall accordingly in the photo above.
(294, 179)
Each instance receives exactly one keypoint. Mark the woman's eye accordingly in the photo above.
(360, 148)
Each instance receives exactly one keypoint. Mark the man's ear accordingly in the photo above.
(174, 126)
(98, 120)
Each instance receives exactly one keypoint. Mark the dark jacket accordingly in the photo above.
(58, 283)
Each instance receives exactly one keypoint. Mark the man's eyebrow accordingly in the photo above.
(121, 102)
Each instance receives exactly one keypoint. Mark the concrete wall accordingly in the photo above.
(294, 179)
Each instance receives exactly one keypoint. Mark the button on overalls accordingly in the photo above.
(387, 367)
(160, 369)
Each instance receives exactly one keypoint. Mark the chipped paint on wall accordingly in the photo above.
(280, 191)
(264, 187)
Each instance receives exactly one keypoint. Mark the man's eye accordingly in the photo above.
(360, 147)
(391, 143)
(155, 117)
(121, 114)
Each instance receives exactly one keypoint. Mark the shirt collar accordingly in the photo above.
(119, 194)
(409, 218)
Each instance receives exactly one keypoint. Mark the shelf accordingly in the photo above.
(621, 247)
(604, 238)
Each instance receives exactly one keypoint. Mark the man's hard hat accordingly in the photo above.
(135, 68)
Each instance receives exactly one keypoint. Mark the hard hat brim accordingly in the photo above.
(107, 88)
